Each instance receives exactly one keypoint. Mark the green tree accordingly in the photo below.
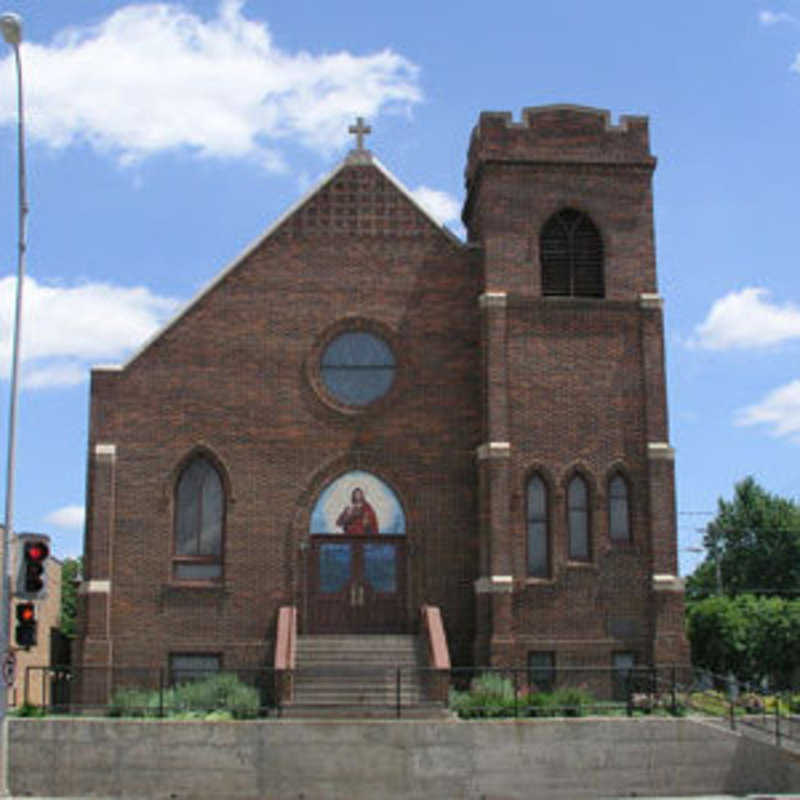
(743, 601)
(70, 570)
(718, 631)
(756, 538)
(702, 583)
(753, 637)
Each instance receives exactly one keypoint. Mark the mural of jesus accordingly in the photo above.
(358, 519)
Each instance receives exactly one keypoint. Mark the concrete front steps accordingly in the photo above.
(349, 676)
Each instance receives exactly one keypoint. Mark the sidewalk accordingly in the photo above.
(768, 796)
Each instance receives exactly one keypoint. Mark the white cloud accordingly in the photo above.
(443, 206)
(747, 319)
(66, 329)
(69, 374)
(154, 77)
(69, 517)
(768, 18)
(780, 410)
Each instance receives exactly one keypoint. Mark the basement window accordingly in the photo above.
(541, 670)
(186, 667)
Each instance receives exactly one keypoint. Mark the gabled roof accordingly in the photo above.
(355, 157)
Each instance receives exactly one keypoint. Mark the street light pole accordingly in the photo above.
(11, 28)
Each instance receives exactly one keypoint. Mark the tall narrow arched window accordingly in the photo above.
(619, 523)
(571, 256)
(199, 519)
(578, 519)
(538, 537)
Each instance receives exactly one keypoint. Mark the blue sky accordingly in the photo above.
(163, 138)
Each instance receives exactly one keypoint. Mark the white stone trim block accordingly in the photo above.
(661, 450)
(105, 450)
(494, 450)
(667, 583)
(493, 300)
(648, 300)
(95, 587)
(496, 584)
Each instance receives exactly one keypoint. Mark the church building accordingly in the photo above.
(364, 415)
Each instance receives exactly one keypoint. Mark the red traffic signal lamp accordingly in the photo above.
(36, 551)
(26, 625)
(32, 575)
(35, 555)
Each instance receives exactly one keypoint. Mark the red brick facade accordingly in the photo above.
(494, 383)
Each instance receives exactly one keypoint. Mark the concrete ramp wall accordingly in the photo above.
(554, 759)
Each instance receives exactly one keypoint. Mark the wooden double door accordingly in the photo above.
(357, 584)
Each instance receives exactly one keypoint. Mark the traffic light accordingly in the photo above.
(35, 555)
(32, 575)
(26, 625)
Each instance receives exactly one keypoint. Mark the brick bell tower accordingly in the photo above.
(578, 552)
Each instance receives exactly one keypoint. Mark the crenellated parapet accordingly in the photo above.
(559, 133)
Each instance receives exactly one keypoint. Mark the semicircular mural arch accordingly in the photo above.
(358, 503)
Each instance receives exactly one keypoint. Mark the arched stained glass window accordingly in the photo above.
(199, 518)
(357, 368)
(578, 519)
(571, 256)
(538, 537)
(618, 510)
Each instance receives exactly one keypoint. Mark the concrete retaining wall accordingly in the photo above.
(567, 759)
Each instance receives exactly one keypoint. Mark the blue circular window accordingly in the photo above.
(357, 368)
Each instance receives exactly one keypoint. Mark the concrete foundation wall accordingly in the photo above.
(568, 759)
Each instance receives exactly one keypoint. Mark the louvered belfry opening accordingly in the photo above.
(571, 253)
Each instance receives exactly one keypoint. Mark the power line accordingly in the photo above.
(733, 592)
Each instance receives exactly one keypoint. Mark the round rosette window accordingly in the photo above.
(357, 368)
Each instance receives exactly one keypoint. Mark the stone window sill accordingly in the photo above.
(207, 586)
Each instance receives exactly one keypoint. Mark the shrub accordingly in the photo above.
(751, 702)
(220, 696)
(492, 686)
(221, 692)
(785, 704)
(489, 695)
(134, 703)
(218, 716)
(572, 702)
(492, 695)
(538, 704)
(28, 710)
(709, 702)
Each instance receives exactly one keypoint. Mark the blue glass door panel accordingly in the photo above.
(335, 567)
(380, 567)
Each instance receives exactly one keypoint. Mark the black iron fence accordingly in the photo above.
(755, 710)
(474, 692)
